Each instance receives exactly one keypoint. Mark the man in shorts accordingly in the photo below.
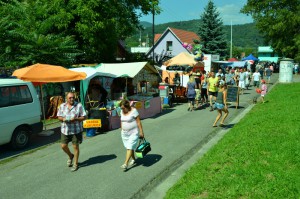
(242, 79)
(71, 114)
(256, 78)
(268, 73)
(212, 90)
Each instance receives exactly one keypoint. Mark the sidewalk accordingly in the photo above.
(175, 136)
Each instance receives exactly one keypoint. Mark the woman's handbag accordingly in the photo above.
(143, 148)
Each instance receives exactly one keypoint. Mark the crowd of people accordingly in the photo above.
(210, 89)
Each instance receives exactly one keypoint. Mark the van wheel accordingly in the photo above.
(20, 138)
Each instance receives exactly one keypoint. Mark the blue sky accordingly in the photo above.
(184, 10)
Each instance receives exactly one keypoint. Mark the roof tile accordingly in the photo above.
(185, 36)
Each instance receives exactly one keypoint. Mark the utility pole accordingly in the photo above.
(231, 41)
(153, 14)
(140, 39)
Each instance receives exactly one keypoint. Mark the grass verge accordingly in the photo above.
(50, 121)
(258, 158)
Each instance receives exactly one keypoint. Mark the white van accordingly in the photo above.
(20, 112)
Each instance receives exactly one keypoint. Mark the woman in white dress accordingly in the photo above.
(131, 130)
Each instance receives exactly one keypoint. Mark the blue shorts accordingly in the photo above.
(219, 106)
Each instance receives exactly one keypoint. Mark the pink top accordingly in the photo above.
(264, 89)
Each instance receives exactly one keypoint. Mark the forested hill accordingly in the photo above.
(245, 35)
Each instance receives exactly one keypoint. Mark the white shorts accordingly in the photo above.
(242, 84)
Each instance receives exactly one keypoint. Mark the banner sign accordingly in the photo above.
(92, 123)
(138, 105)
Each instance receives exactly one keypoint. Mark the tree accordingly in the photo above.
(211, 31)
(57, 30)
(279, 22)
(101, 24)
(27, 36)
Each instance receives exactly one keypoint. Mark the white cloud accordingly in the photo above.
(231, 12)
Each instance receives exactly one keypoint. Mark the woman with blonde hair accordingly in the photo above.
(191, 93)
(221, 104)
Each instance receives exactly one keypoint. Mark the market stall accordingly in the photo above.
(177, 70)
(93, 92)
(138, 82)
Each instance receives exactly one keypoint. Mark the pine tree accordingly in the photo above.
(212, 35)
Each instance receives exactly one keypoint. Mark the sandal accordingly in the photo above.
(132, 163)
(74, 167)
(124, 167)
(221, 125)
(70, 161)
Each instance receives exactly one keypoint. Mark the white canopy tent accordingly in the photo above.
(91, 72)
(121, 69)
(128, 70)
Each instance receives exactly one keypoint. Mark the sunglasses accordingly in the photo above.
(71, 97)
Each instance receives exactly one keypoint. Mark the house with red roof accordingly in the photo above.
(172, 42)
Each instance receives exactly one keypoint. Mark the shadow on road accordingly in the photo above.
(149, 160)
(164, 112)
(234, 106)
(36, 141)
(97, 160)
(228, 126)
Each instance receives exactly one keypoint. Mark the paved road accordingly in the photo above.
(175, 135)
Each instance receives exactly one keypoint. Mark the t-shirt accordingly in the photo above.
(242, 76)
(261, 71)
(268, 72)
(213, 84)
(256, 76)
(221, 74)
(228, 77)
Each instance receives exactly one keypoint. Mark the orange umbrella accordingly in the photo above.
(45, 73)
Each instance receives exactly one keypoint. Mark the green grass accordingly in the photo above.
(50, 121)
(258, 158)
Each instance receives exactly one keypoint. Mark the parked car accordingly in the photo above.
(20, 112)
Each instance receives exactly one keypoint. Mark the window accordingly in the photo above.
(169, 45)
(14, 95)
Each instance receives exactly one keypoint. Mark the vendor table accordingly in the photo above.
(147, 108)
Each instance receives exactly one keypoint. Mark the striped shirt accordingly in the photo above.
(74, 112)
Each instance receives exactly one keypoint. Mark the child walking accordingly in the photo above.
(264, 89)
